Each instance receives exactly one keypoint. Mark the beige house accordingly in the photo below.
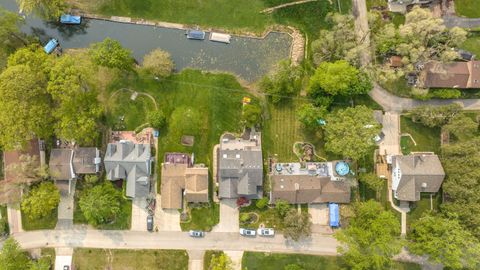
(182, 181)
(461, 75)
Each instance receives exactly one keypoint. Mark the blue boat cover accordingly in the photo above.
(196, 34)
(334, 215)
(70, 19)
(51, 45)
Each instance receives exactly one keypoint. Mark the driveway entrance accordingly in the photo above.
(228, 216)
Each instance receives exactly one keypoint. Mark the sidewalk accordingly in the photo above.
(14, 218)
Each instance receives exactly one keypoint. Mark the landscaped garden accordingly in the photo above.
(426, 139)
(130, 259)
(252, 217)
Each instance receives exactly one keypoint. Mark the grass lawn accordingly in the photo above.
(424, 206)
(207, 258)
(122, 221)
(427, 139)
(50, 253)
(376, 4)
(203, 218)
(234, 16)
(129, 259)
(472, 44)
(133, 112)
(4, 219)
(266, 216)
(45, 223)
(398, 87)
(278, 261)
(467, 8)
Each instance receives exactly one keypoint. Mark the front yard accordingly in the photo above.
(426, 139)
(45, 223)
(266, 216)
(202, 218)
(130, 259)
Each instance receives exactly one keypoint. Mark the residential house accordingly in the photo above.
(240, 166)
(414, 174)
(14, 157)
(463, 75)
(402, 6)
(129, 161)
(311, 182)
(181, 180)
(67, 164)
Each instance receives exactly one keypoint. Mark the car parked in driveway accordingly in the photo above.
(150, 223)
(266, 232)
(247, 232)
(193, 233)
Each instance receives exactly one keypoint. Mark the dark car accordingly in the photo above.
(150, 223)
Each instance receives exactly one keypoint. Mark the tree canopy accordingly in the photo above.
(110, 53)
(156, 119)
(252, 114)
(44, 8)
(371, 239)
(435, 116)
(309, 115)
(462, 127)
(41, 200)
(221, 262)
(12, 257)
(350, 132)
(159, 63)
(10, 33)
(444, 241)
(100, 204)
(283, 83)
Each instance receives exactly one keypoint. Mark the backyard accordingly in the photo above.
(424, 206)
(426, 139)
(130, 259)
(275, 261)
(468, 8)
(235, 16)
(472, 44)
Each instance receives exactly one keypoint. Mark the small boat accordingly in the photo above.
(218, 37)
(195, 34)
(70, 19)
(51, 45)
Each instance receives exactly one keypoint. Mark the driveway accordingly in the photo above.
(139, 214)
(319, 213)
(195, 259)
(166, 219)
(229, 215)
(66, 205)
(391, 128)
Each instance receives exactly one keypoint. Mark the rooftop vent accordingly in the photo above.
(224, 155)
(424, 185)
(237, 156)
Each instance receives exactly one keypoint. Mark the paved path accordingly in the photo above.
(195, 259)
(362, 30)
(166, 219)
(139, 214)
(272, 9)
(236, 257)
(14, 218)
(391, 128)
(228, 216)
(452, 21)
(317, 244)
(66, 205)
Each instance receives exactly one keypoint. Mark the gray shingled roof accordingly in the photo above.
(84, 160)
(419, 173)
(131, 162)
(60, 164)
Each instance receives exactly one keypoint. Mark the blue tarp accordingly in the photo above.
(70, 19)
(51, 45)
(195, 34)
(334, 215)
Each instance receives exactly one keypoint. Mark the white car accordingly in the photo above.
(266, 232)
(247, 232)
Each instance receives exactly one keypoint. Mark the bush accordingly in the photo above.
(159, 63)
(100, 204)
(262, 203)
(156, 119)
(244, 217)
(252, 114)
(445, 93)
(41, 200)
(282, 207)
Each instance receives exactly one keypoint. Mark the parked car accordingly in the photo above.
(150, 223)
(193, 233)
(247, 232)
(266, 232)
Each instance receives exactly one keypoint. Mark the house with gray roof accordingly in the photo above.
(414, 174)
(131, 162)
(240, 166)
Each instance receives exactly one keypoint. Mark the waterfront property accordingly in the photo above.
(240, 166)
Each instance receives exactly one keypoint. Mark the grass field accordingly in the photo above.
(277, 261)
(203, 218)
(133, 112)
(468, 8)
(472, 44)
(227, 14)
(424, 206)
(93, 259)
(45, 223)
(427, 139)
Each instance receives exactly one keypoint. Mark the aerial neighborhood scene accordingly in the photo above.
(239, 134)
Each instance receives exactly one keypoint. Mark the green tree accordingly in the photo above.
(159, 63)
(462, 127)
(297, 225)
(371, 239)
(111, 54)
(339, 78)
(221, 262)
(309, 115)
(100, 204)
(156, 119)
(44, 8)
(444, 241)
(41, 200)
(10, 33)
(282, 208)
(283, 83)
(340, 42)
(252, 114)
(43, 263)
(372, 181)
(12, 257)
(435, 116)
(350, 132)
(36, 59)
(262, 203)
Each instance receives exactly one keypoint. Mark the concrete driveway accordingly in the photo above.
(166, 219)
(319, 213)
(139, 214)
(66, 205)
(391, 128)
(228, 216)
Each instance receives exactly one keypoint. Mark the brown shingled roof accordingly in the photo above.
(451, 75)
(13, 157)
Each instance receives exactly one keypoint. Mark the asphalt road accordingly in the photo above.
(84, 238)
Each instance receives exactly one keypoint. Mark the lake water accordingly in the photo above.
(249, 58)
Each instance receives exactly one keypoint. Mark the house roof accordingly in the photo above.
(451, 75)
(14, 157)
(85, 160)
(419, 173)
(240, 166)
(129, 161)
(60, 164)
(395, 61)
(196, 184)
(308, 189)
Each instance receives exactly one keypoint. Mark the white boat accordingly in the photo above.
(219, 37)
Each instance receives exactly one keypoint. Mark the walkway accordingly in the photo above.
(229, 216)
(272, 9)
(391, 128)
(14, 218)
(66, 205)
(317, 244)
(195, 259)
